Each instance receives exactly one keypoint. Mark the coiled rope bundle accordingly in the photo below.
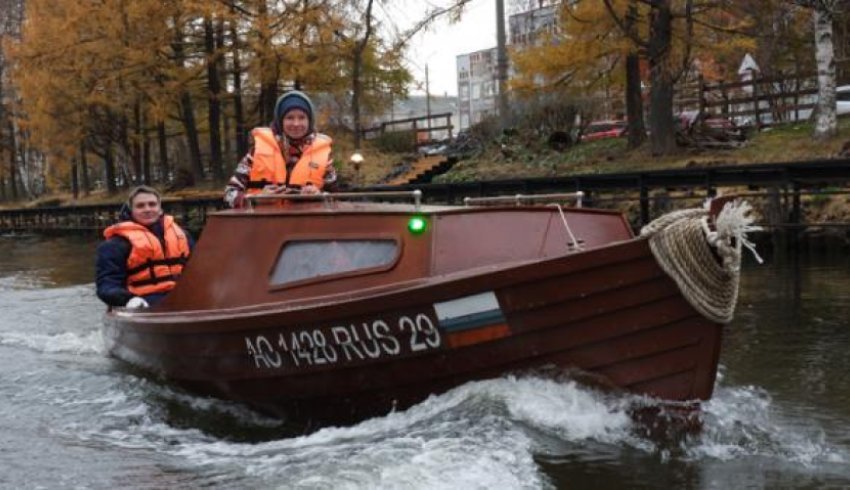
(704, 263)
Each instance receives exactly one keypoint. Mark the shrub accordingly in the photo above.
(396, 142)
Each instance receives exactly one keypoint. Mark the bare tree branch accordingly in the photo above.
(622, 25)
(432, 16)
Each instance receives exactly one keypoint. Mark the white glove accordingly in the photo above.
(137, 302)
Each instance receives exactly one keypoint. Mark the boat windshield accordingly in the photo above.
(303, 260)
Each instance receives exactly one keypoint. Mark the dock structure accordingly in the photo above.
(93, 218)
(781, 191)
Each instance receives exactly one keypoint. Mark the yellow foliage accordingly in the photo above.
(586, 52)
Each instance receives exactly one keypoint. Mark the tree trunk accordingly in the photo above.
(221, 67)
(137, 142)
(634, 102)
(356, 71)
(163, 152)
(84, 170)
(24, 168)
(355, 101)
(227, 146)
(188, 120)
(146, 153)
(75, 179)
(127, 178)
(241, 144)
(213, 94)
(13, 157)
(2, 123)
(662, 129)
(109, 170)
(634, 96)
(187, 113)
(826, 123)
(268, 66)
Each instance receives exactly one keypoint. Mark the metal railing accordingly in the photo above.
(522, 199)
(328, 197)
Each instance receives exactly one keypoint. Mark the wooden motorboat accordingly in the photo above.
(335, 311)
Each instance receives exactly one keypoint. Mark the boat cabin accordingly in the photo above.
(306, 250)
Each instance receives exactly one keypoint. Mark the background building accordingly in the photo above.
(528, 28)
(477, 76)
(477, 86)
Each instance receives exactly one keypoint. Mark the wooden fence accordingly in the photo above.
(423, 127)
(758, 102)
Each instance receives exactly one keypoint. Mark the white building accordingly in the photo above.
(477, 75)
(477, 86)
(528, 28)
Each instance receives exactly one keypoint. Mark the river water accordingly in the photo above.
(71, 417)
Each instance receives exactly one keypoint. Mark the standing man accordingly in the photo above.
(143, 255)
(288, 156)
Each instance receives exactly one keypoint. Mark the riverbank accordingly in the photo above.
(523, 155)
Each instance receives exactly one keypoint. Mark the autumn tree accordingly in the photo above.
(664, 67)
(94, 69)
(105, 79)
(371, 63)
(585, 56)
(600, 47)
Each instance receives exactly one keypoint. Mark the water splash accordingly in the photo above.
(746, 422)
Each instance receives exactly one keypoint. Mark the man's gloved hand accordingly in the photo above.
(239, 201)
(309, 189)
(137, 302)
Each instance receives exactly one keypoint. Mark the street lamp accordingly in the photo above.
(356, 159)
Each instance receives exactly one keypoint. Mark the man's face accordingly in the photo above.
(296, 123)
(146, 208)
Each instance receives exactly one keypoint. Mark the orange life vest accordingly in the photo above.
(150, 269)
(269, 167)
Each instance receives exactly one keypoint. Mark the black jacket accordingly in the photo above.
(111, 266)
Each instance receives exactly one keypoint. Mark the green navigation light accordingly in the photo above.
(417, 225)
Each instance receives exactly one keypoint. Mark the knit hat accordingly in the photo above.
(294, 99)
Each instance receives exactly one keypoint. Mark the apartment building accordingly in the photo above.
(477, 75)
(477, 86)
(529, 28)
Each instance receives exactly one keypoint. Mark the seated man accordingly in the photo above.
(143, 254)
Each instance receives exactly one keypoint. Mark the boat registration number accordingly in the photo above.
(349, 342)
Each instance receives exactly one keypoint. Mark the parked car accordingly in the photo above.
(599, 130)
(842, 100)
(695, 127)
(686, 119)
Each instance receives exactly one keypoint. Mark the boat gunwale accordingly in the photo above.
(395, 289)
(345, 207)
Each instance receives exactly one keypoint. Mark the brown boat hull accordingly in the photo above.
(610, 312)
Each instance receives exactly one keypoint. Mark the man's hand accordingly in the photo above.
(137, 302)
(239, 201)
(309, 189)
(279, 189)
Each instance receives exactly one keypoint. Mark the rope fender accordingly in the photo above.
(704, 263)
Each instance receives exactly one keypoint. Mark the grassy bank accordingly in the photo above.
(518, 156)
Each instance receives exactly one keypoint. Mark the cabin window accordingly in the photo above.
(303, 260)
